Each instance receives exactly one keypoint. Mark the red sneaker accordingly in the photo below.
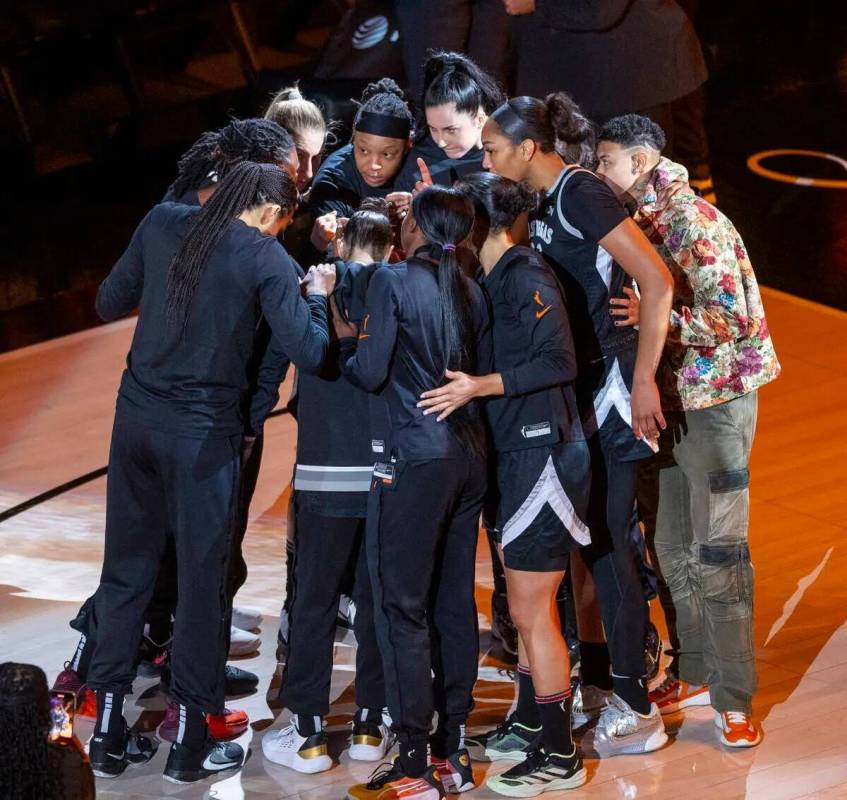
(673, 695)
(69, 681)
(228, 725)
(736, 729)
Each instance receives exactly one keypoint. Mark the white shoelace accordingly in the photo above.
(737, 718)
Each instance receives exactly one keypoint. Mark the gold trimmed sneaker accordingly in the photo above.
(306, 754)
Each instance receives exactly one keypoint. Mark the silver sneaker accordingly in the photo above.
(588, 703)
(621, 730)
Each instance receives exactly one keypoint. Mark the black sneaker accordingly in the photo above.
(652, 651)
(389, 780)
(509, 741)
(187, 766)
(541, 772)
(111, 755)
(456, 772)
(239, 681)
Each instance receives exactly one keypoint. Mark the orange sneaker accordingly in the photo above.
(87, 704)
(672, 695)
(736, 729)
(389, 782)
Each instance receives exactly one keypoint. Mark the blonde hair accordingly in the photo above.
(296, 114)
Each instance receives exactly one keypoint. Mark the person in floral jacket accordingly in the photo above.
(718, 353)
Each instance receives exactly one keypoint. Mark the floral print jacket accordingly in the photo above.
(718, 346)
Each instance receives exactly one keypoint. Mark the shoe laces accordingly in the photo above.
(618, 719)
(667, 684)
(534, 759)
(384, 773)
(737, 718)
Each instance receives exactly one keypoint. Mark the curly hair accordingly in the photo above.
(633, 130)
(25, 772)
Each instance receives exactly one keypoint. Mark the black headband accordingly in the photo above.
(384, 125)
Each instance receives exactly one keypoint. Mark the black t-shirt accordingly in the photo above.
(577, 212)
(193, 382)
(445, 171)
(339, 186)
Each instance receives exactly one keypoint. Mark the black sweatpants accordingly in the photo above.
(160, 483)
(326, 549)
(615, 555)
(421, 543)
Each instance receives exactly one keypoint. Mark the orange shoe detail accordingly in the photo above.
(673, 695)
(736, 729)
(233, 722)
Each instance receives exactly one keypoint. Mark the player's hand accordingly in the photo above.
(343, 329)
(460, 389)
(426, 177)
(516, 7)
(647, 417)
(320, 279)
(400, 202)
(626, 309)
(324, 230)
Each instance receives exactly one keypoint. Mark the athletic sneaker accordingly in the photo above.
(242, 643)
(246, 617)
(652, 651)
(509, 741)
(389, 782)
(187, 766)
(111, 755)
(228, 725)
(504, 631)
(588, 703)
(736, 729)
(621, 730)
(306, 754)
(151, 657)
(672, 695)
(68, 680)
(456, 772)
(371, 739)
(540, 772)
(239, 681)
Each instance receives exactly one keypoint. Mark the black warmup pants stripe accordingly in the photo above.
(421, 543)
(326, 549)
(161, 484)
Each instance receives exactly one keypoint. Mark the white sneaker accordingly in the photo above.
(621, 731)
(246, 617)
(301, 753)
(588, 703)
(371, 739)
(242, 643)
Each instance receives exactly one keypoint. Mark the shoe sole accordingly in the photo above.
(430, 794)
(654, 742)
(736, 745)
(306, 766)
(451, 787)
(367, 752)
(689, 702)
(246, 649)
(559, 784)
(184, 777)
(126, 763)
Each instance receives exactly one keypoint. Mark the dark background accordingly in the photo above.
(100, 98)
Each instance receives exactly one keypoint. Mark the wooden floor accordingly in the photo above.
(55, 420)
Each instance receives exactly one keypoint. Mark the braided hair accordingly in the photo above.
(261, 141)
(25, 770)
(246, 186)
(384, 97)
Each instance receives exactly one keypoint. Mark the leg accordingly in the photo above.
(202, 476)
(454, 622)
(323, 549)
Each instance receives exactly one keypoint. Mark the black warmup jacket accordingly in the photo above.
(341, 429)
(445, 171)
(194, 383)
(399, 353)
(533, 352)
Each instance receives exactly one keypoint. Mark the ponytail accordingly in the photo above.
(446, 218)
(248, 185)
(555, 124)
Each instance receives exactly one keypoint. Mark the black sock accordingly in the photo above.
(447, 741)
(594, 664)
(82, 656)
(110, 715)
(373, 716)
(634, 692)
(413, 757)
(192, 727)
(555, 713)
(526, 711)
(307, 724)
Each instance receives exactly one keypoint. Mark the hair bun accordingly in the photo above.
(288, 93)
(382, 86)
(568, 121)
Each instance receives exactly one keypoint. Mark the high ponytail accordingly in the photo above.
(446, 218)
(248, 185)
(555, 124)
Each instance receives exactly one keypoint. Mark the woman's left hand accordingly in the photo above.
(626, 308)
(460, 389)
(343, 329)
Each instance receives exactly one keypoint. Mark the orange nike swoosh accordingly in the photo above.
(364, 336)
(540, 314)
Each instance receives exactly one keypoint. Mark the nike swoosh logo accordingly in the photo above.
(117, 757)
(540, 314)
(364, 336)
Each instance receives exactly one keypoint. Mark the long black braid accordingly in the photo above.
(246, 186)
(215, 153)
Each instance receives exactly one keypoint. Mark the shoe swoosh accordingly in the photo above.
(117, 757)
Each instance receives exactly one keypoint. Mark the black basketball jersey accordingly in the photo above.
(579, 210)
